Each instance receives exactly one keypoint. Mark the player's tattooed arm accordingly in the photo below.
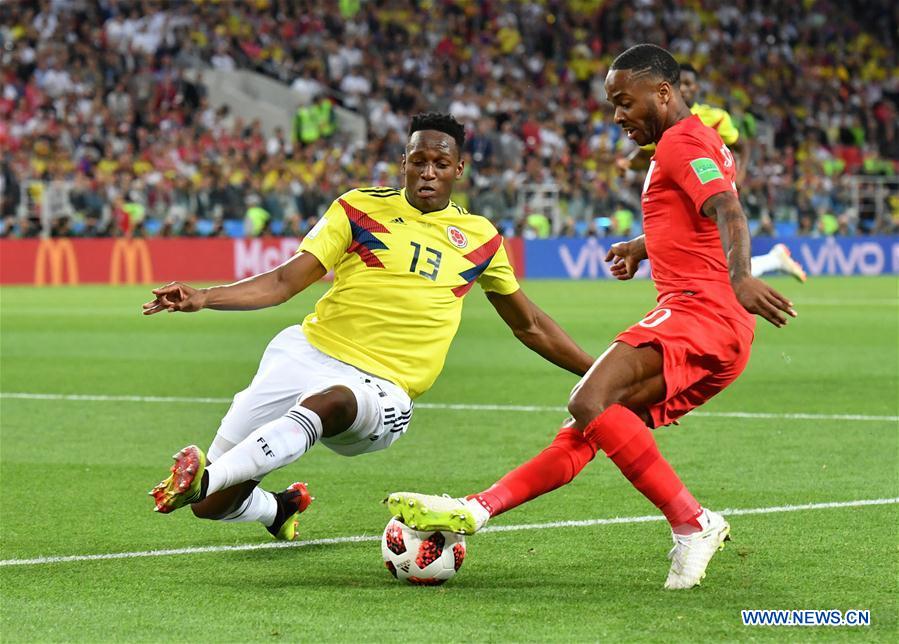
(725, 208)
(753, 294)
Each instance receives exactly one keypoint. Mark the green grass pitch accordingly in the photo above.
(75, 475)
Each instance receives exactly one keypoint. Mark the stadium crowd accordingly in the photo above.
(102, 127)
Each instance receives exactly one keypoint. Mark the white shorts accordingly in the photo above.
(291, 370)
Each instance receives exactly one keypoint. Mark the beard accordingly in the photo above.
(654, 122)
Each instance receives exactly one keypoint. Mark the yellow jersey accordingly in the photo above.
(713, 117)
(718, 119)
(399, 279)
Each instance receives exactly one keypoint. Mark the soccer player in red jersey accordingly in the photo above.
(692, 345)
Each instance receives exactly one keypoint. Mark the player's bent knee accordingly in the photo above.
(336, 406)
(584, 409)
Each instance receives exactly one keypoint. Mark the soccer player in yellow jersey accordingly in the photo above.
(403, 260)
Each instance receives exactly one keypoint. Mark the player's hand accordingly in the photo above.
(625, 258)
(175, 296)
(622, 164)
(760, 299)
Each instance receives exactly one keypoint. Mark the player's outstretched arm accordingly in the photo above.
(626, 257)
(539, 332)
(755, 296)
(266, 289)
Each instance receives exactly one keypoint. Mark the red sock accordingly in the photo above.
(626, 440)
(555, 466)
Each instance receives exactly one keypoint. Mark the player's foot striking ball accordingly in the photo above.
(432, 512)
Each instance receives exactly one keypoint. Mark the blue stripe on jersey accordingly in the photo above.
(364, 237)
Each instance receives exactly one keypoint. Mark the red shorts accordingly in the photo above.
(703, 351)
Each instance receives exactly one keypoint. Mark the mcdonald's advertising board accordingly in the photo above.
(62, 261)
(55, 262)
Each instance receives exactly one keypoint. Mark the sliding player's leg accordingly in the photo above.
(287, 366)
(348, 410)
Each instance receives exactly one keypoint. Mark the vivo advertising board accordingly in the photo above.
(585, 258)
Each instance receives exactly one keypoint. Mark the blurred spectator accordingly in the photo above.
(257, 219)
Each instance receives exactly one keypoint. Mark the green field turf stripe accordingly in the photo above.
(447, 406)
(364, 538)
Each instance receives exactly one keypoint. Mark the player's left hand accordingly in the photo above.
(760, 299)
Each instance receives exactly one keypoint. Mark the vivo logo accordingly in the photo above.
(863, 258)
(590, 261)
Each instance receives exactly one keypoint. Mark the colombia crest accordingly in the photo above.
(457, 237)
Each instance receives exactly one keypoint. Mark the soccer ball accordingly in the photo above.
(421, 558)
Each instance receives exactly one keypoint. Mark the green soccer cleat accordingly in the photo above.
(429, 512)
(182, 487)
(296, 498)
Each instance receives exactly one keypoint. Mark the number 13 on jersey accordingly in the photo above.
(431, 257)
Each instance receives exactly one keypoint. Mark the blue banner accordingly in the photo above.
(579, 258)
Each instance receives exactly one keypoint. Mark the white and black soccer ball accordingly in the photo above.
(421, 558)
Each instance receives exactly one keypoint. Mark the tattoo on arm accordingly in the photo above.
(725, 208)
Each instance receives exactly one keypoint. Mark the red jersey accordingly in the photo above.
(690, 164)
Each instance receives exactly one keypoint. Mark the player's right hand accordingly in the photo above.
(760, 299)
(622, 165)
(175, 296)
(625, 258)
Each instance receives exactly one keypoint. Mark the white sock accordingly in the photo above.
(481, 514)
(274, 445)
(259, 506)
(762, 264)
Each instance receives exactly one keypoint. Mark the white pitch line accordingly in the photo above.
(446, 406)
(363, 538)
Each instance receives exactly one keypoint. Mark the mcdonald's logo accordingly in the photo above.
(130, 257)
(58, 257)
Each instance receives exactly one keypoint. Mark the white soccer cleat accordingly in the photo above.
(429, 512)
(691, 553)
(786, 263)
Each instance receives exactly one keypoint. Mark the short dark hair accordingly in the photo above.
(649, 59)
(687, 67)
(441, 122)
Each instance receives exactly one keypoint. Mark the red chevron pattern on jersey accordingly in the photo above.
(363, 228)
(480, 257)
